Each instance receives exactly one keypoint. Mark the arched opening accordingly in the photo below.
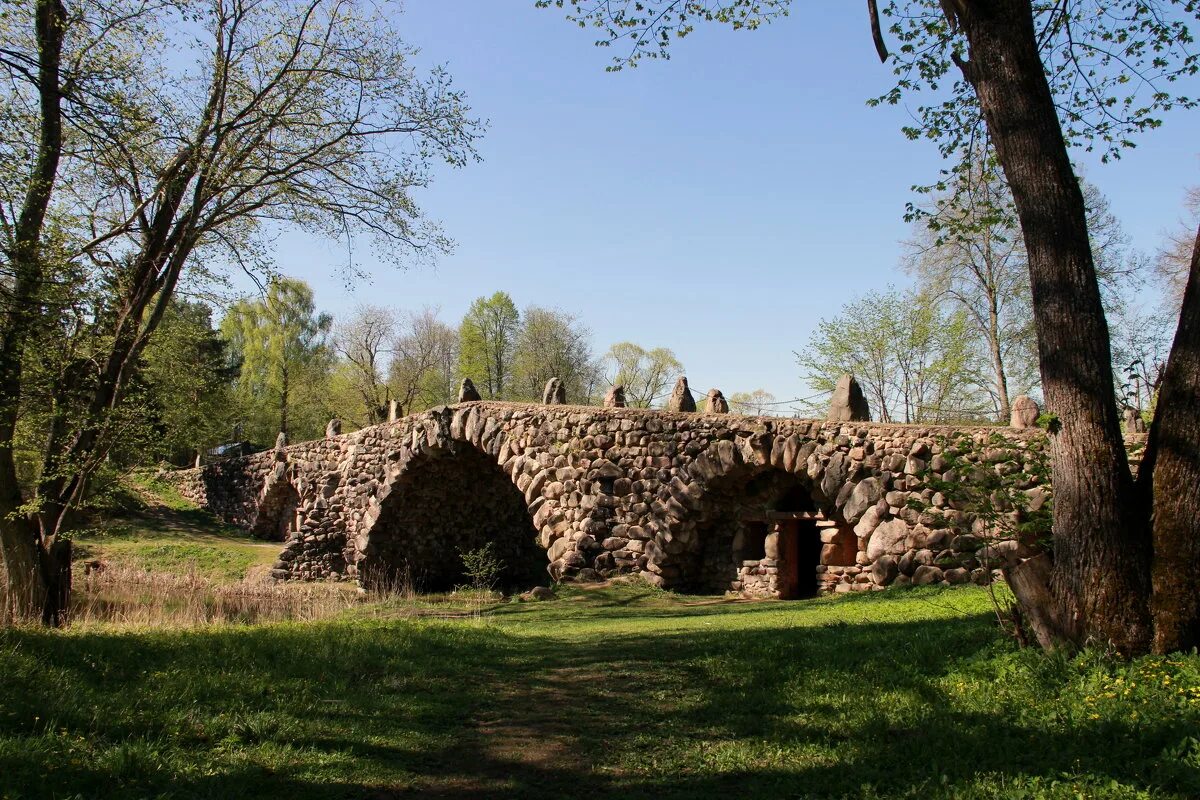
(444, 506)
(763, 535)
(279, 514)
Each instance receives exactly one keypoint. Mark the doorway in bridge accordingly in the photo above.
(781, 545)
(442, 508)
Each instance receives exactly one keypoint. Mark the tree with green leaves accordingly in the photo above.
(645, 374)
(145, 143)
(364, 344)
(758, 403)
(914, 361)
(553, 344)
(190, 384)
(487, 338)
(1033, 79)
(425, 363)
(282, 347)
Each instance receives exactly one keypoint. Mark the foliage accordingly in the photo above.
(724, 696)
(482, 566)
(1174, 258)
(914, 361)
(147, 145)
(363, 342)
(487, 338)
(553, 344)
(424, 368)
(758, 403)
(647, 375)
(280, 344)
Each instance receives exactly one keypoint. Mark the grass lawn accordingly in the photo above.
(165, 533)
(621, 692)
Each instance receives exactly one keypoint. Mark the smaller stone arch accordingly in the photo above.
(754, 525)
(280, 512)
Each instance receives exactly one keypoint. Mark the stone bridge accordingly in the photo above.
(698, 502)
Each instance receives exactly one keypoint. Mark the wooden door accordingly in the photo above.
(788, 578)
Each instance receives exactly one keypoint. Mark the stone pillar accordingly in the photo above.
(555, 394)
(1024, 413)
(467, 393)
(615, 398)
(334, 428)
(395, 412)
(848, 403)
(716, 403)
(1133, 421)
(681, 397)
(281, 447)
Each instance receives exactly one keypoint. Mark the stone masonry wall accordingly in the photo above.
(618, 491)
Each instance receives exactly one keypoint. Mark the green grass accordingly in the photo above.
(621, 692)
(164, 532)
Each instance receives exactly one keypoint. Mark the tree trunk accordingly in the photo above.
(998, 359)
(18, 536)
(1171, 469)
(283, 404)
(1101, 577)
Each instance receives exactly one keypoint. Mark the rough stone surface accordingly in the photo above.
(848, 403)
(555, 393)
(587, 493)
(1133, 421)
(615, 397)
(334, 428)
(681, 397)
(1024, 413)
(467, 393)
(716, 402)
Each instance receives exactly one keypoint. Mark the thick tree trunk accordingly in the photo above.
(18, 536)
(1101, 575)
(1171, 470)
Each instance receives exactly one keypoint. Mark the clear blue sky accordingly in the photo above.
(718, 204)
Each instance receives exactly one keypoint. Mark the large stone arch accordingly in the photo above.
(442, 497)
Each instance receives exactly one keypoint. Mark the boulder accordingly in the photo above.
(864, 496)
(890, 538)
(848, 403)
(716, 403)
(1024, 412)
(1133, 421)
(555, 394)
(926, 575)
(681, 397)
(885, 570)
(615, 397)
(539, 593)
(334, 428)
(467, 393)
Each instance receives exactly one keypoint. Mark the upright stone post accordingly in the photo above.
(1024, 413)
(334, 428)
(681, 397)
(555, 394)
(716, 403)
(848, 403)
(281, 447)
(467, 393)
(615, 397)
(395, 412)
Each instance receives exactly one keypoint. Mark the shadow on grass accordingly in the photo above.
(434, 709)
